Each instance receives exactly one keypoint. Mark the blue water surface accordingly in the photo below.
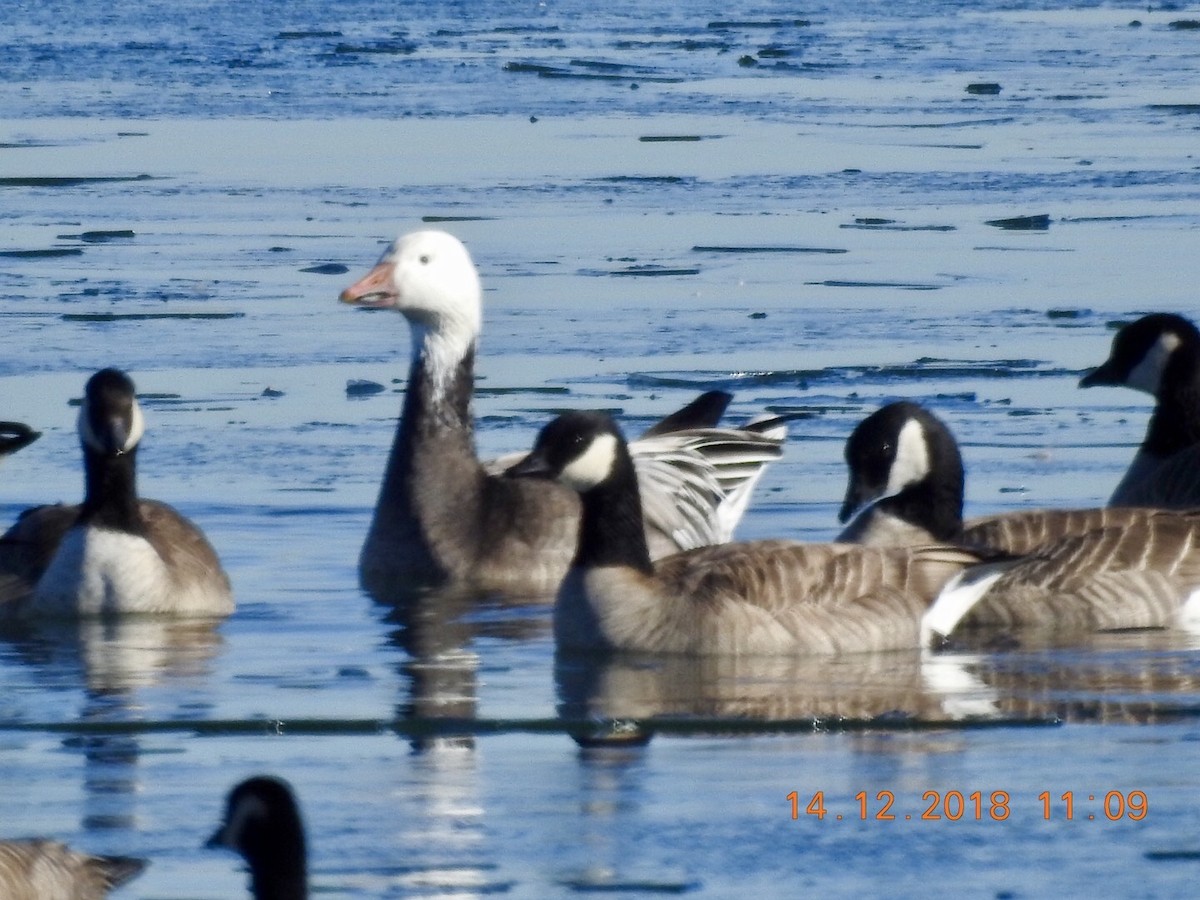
(184, 189)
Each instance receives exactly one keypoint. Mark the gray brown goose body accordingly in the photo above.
(1067, 569)
(442, 519)
(41, 869)
(1159, 354)
(761, 597)
(114, 553)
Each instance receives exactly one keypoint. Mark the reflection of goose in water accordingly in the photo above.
(116, 655)
(112, 661)
(1137, 676)
(743, 691)
(40, 869)
(441, 519)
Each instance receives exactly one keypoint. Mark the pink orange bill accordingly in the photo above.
(373, 290)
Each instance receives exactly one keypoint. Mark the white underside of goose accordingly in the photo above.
(97, 571)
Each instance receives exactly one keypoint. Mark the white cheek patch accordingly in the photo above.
(912, 459)
(137, 427)
(592, 466)
(1147, 374)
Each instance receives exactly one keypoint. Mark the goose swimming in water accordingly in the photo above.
(262, 822)
(114, 553)
(1069, 569)
(760, 597)
(444, 520)
(1160, 355)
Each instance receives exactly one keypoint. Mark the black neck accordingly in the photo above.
(110, 491)
(1175, 423)
(284, 876)
(936, 507)
(611, 532)
(282, 883)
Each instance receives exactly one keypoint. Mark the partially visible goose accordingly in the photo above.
(442, 520)
(1159, 354)
(40, 869)
(262, 822)
(765, 597)
(14, 436)
(113, 553)
(1071, 569)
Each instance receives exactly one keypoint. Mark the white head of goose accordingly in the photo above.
(764, 597)
(40, 869)
(444, 520)
(1068, 569)
(114, 553)
(1160, 355)
(14, 436)
(262, 823)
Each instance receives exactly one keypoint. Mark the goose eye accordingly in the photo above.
(424, 259)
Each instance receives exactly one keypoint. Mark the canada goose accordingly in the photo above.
(752, 597)
(441, 519)
(14, 436)
(1077, 569)
(262, 822)
(40, 869)
(113, 553)
(1159, 354)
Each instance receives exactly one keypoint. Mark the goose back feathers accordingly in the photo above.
(1075, 569)
(1159, 354)
(442, 518)
(765, 597)
(114, 553)
(40, 869)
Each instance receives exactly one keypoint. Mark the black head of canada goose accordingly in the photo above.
(262, 823)
(41, 869)
(1160, 355)
(443, 519)
(14, 436)
(114, 553)
(1067, 569)
(764, 597)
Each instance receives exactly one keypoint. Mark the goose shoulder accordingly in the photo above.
(1029, 531)
(27, 548)
(41, 869)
